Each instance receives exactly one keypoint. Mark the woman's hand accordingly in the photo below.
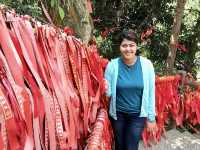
(152, 127)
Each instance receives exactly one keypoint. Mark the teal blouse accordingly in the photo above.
(129, 87)
(148, 96)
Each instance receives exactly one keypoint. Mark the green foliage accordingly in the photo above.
(33, 8)
(190, 37)
(134, 14)
(29, 7)
(53, 2)
(138, 15)
(141, 14)
(57, 8)
(61, 12)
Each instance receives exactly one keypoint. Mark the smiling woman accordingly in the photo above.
(128, 51)
(131, 88)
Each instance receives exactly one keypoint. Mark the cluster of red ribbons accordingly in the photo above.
(170, 103)
(192, 108)
(100, 138)
(50, 86)
(167, 101)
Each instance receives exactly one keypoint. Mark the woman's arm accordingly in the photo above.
(151, 121)
(151, 103)
(108, 79)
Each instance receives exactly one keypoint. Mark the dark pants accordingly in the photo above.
(127, 130)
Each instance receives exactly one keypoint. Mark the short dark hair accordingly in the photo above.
(128, 34)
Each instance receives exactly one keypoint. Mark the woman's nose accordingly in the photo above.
(128, 49)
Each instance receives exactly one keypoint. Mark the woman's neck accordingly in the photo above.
(130, 62)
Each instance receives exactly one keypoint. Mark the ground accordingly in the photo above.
(176, 140)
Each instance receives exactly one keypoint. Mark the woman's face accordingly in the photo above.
(128, 49)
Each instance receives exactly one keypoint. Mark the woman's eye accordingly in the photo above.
(126, 45)
(131, 45)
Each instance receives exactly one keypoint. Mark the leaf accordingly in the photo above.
(52, 3)
(61, 12)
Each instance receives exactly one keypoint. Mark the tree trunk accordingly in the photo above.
(76, 17)
(175, 33)
(79, 19)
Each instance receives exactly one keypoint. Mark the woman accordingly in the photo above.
(130, 83)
